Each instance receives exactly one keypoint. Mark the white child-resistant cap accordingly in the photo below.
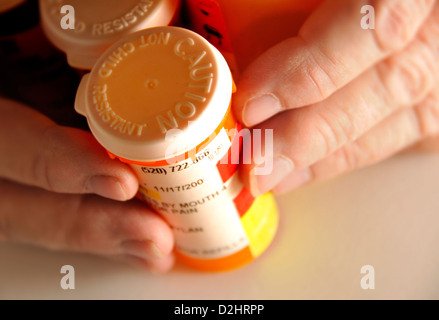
(155, 94)
(99, 23)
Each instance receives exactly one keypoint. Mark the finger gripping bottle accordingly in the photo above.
(159, 100)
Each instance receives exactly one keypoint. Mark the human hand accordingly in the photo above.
(340, 97)
(61, 191)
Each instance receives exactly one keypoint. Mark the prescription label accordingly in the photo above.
(198, 203)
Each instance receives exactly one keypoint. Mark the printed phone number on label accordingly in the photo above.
(179, 167)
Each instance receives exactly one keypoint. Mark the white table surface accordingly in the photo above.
(386, 216)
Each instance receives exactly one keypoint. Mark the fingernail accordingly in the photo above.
(146, 249)
(262, 183)
(106, 186)
(295, 180)
(260, 108)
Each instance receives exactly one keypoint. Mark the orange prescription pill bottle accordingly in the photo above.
(246, 28)
(262, 24)
(159, 100)
(100, 23)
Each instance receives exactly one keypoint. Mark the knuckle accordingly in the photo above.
(40, 170)
(320, 73)
(78, 235)
(392, 32)
(80, 238)
(336, 130)
(409, 78)
(58, 166)
(87, 228)
(429, 33)
(6, 223)
(427, 116)
(349, 156)
(416, 81)
(3, 230)
(359, 153)
(41, 163)
(398, 22)
(327, 135)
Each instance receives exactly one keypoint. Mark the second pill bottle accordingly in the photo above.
(91, 27)
(160, 101)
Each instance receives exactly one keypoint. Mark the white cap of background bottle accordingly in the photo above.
(100, 23)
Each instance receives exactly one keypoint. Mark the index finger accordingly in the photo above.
(332, 48)
(37, 152)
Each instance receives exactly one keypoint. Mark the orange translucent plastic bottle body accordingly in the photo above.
(249, 27)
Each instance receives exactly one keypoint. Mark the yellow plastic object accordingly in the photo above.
(260, 223)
